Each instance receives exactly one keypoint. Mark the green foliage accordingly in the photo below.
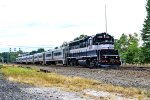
(20, 52)
(15, 71)
(146, 54)
(146, 26)
(13, 56)
(128, 47)
(133, 49)
(33, 52)
(1, 66)
(82, 36)
(56, 48)
(121, 46)
(65, 43)
(148, 93)
(38, 51)
(8, 56)
(146, 35)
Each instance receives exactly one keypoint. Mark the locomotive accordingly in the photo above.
(91, 51)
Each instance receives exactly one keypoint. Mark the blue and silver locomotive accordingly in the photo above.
(92, 51)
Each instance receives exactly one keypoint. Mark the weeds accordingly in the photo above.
(148, 93)
(37, 78)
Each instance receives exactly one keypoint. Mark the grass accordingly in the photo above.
(37, 78)
(147, 93)
(136, 65)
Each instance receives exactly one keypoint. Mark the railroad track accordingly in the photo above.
(45, 68)
(136, 68)
(124, 76)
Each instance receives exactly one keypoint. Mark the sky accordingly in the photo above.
(31, 24)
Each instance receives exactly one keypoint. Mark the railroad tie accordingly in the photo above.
(45, 71)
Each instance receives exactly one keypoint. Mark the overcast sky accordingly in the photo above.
(36, 23)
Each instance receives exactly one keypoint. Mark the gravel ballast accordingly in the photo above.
(121, 77)
(17, 91)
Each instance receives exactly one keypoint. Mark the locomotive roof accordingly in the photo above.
(104, 33)
(84, 39)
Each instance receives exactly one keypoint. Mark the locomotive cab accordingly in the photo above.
(103, 38)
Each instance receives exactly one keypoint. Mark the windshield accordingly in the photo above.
(103, 39)
(108, 52)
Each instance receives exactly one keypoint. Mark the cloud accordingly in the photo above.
(67, 25)
(50, 22)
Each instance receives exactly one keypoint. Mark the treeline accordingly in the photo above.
(11, 56)
(130, 49)
(37, 51)
(129, 46)
(8, 56)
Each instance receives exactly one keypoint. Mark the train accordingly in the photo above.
(92, 51)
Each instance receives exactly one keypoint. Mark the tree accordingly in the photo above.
(1, 57)
(133, 52)
(82, 36)
(146, 34)
(128, 47)
(121, 45)
(20, 52)
(5, 56)
(8, 56)
(56, 48)
(65, 43)
(40, 50)
(13, 56)
(146, 26)
(33, 52)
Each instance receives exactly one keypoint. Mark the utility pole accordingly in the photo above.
(2, 60)
(106, 18)
(8, 55)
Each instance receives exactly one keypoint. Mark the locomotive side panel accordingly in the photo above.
(87, 51)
